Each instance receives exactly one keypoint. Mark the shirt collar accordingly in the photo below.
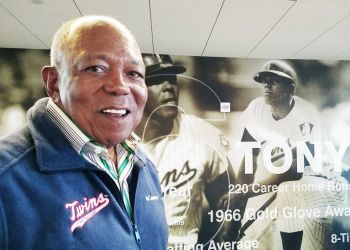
(80, 140)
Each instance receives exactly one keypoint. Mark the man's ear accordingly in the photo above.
(291, 89)
(50, 77)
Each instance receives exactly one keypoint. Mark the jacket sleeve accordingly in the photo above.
(3, 231)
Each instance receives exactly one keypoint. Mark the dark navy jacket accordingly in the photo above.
(51, 198)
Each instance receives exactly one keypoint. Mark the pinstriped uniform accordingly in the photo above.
(301, 124)
(193, 154)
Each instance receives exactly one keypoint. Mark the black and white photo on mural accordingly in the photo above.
(206, 83)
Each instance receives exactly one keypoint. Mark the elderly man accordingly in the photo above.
(74, 178)
(189, 153)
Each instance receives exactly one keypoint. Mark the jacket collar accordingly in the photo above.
(53, 151)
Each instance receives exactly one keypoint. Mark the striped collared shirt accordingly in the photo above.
(91, 150)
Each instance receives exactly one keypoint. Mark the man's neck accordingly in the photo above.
(282, 109)
(155, 128)
(160, 128)
(113, 155)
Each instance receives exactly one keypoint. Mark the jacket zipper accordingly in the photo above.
(136, 233)
(134, 226)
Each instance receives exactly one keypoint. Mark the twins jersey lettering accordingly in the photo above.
(186, 159)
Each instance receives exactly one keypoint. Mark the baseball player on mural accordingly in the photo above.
(190, 154)
(280, 116)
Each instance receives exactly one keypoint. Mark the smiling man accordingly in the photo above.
(74, 178)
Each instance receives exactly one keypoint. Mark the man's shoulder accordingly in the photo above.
(14, 147)
(197, 123)
(256, 105)
(203, 131)
(258, 101)
(306, 107)
(197, 127)
(146, 162)
(303, 103)
(256, 109)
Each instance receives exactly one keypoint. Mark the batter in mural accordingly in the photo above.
(190, 154)
(280, 116)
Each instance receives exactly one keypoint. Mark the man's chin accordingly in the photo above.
(113, 139)
(268, 100)
(169, 114)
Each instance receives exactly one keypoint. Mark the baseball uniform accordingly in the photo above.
(188, 158)
(301, 124)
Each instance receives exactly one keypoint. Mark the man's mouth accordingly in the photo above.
(169, 101)
(116, 112)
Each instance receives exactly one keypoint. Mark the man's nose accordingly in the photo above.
(168, 86)
(117, 84)
(267, 85)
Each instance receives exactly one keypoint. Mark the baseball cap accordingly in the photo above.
(157, 64)
(276, 68)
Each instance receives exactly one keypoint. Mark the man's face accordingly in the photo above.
(162, 91)
(101, 85)
(275, 90)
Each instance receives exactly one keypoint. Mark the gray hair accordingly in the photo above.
(60, 43)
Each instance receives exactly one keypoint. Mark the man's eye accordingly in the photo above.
(270, 81)
(136, 74)
(96, 69)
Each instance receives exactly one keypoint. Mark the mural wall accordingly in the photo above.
(221, 190)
